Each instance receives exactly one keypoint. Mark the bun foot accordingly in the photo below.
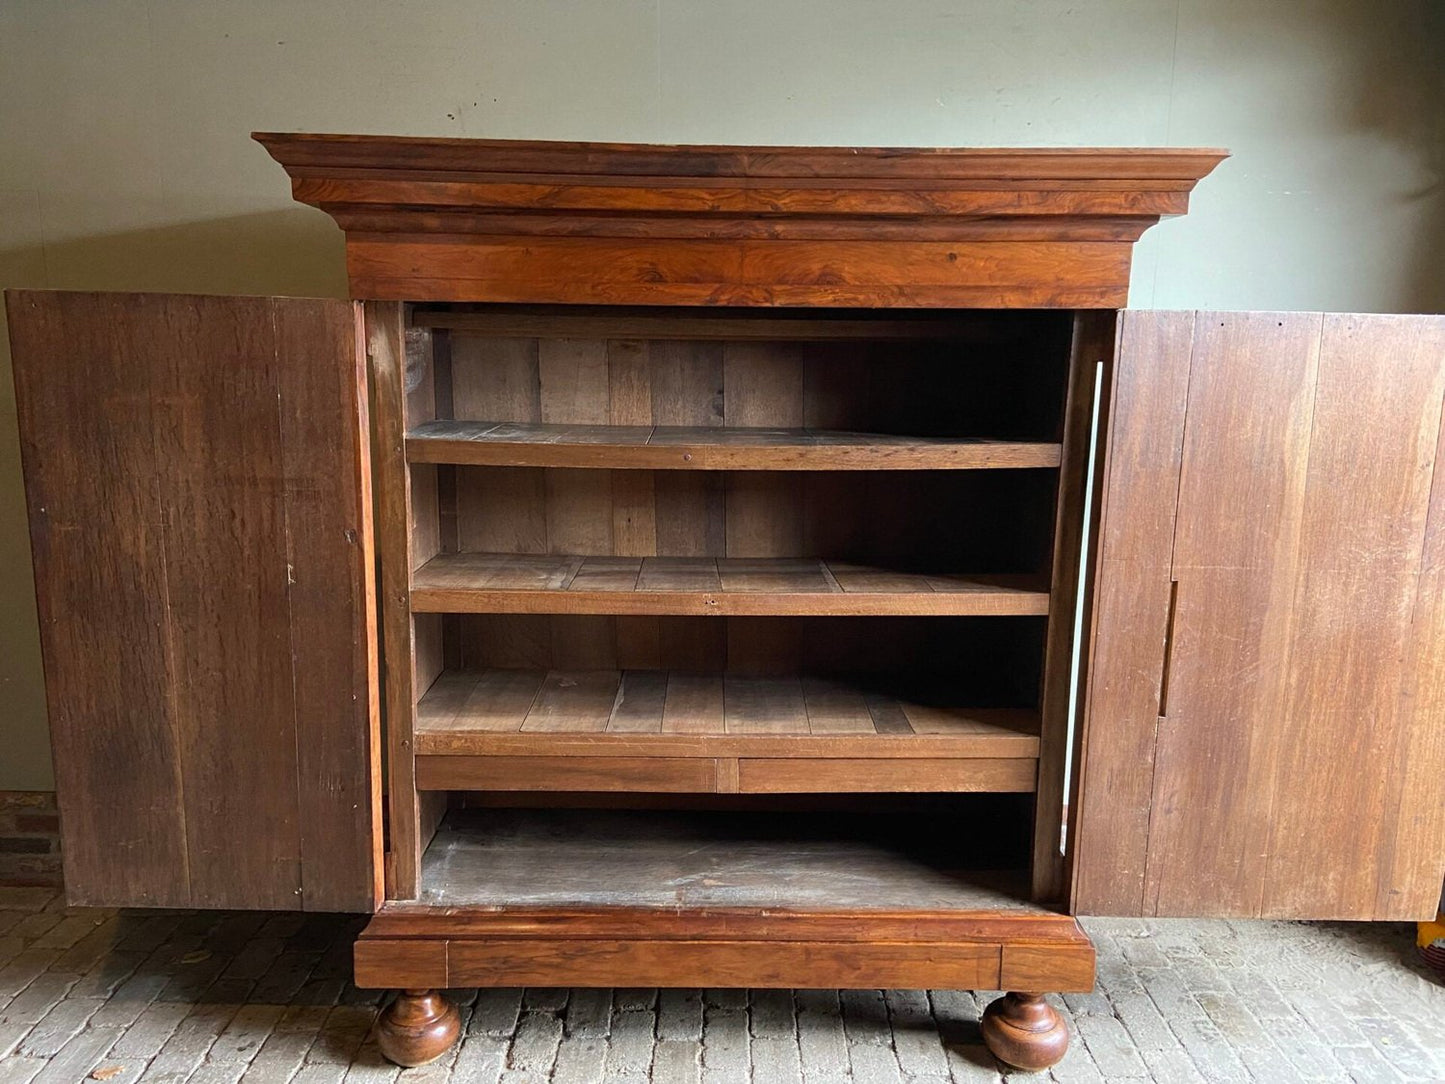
(418, 1027)
(1025, 1031)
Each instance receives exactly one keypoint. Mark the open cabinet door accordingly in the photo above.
(1264, 723)
(197, 472)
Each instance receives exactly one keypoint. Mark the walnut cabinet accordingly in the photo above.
(737, 566)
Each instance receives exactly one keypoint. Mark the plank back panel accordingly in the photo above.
(1296, 718)
(210, 671)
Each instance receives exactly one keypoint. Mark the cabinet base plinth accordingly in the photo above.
(418, 1027)
(1025, 1031)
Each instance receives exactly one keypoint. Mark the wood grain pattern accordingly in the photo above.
(520, 583)
(568, 713)
(645, 447)
(1297, 642)
(819, 894)
(201, 462)
(834, 274)
(1137, 501)
(785, 964)
(1091, 352)
(385, 352)
(634, 224)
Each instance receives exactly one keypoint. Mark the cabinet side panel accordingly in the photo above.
(1109, 829)
(333, 605)
(95, 529)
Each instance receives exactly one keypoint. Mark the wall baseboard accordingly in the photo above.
(29, 838)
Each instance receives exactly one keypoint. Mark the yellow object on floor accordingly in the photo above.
(1430, 939)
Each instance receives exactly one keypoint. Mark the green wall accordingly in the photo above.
(125, 162)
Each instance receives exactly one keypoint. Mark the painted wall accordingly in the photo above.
(125, 162)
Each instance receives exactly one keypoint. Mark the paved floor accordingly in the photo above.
(215, 997)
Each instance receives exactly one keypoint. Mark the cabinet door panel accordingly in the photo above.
(197, 473)
(1291, 750)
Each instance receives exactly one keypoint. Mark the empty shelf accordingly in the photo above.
(524, 583)
(684, 732)
(598, 858)
(645, 447)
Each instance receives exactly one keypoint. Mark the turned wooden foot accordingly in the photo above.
(1025, 1031)
(418, 1027)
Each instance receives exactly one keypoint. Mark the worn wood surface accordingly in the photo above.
(1091, 346)
(387, 356)
(492, 220)
(749, 900)
(682, 713)
(645, 447)
(517, 583)
(598, 859)
(758, 325)
(197, 480)
(1299, 642)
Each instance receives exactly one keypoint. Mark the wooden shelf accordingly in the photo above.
(728, 586)
(675, 899)
(665, 447)
(808, 862)
(673, 731)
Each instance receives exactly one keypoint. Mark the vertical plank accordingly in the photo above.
(687, 383)
(572, 374)
(579, 511)
(495, 379)
(764, 514)
(501, 509)
(1091, 345)
(225, 551)
(384, 350)
(326, 441)
(1241, 503)
(691, 509)
(511, 641)
(1411, 862)
(426, 538)
(1345, 728)
(583, 641)
(763, 385)
(629, 402)
(96, 519)
(687, 389)
(1109, 821)
(639, 643)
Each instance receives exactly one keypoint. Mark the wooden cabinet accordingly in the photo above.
(749, 526)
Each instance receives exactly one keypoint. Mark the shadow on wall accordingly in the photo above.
(296, 251)
(1401, 95)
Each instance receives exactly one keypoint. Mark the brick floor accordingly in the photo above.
(220, 997)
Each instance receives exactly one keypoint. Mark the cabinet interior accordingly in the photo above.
(730, 566)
